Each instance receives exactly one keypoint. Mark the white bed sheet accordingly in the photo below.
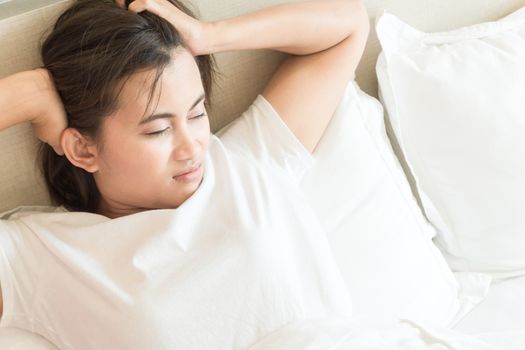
(502, 310)
(500, 319)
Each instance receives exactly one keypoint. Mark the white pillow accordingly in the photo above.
(456, 101)
(378, 234)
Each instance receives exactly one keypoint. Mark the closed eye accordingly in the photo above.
(160, 132)
(199, 116)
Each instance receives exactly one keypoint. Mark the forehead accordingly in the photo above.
(176, 89)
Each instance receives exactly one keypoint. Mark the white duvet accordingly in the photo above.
(497, 323)
(335, 334)
(341, 334)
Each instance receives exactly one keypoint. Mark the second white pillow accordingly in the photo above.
(456, 101)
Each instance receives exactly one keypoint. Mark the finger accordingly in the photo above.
(137, 6)
(120, 3)
(151, 6)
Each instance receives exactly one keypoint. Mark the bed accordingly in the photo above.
(495, 315)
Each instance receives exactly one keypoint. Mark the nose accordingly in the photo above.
(186, 145)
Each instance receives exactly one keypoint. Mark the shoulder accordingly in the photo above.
(262, 136)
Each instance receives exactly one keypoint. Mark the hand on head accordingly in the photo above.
(51, 120)
(194, 33)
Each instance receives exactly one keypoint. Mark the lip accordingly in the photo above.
(189, 176)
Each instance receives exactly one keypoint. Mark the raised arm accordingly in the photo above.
(326, 40)
(330, 36)
(16, 102)
(30, 96)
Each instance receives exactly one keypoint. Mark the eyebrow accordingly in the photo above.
(169, 115)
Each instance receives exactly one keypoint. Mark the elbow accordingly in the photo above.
(361, 16)
(359, 7)
(354, 15)
(359, 19)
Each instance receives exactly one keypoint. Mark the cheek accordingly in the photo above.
(146, 155)
(204, 133)
(133, 155)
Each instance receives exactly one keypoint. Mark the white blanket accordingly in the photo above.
(334, 334)
(345, 334)
(506, 340)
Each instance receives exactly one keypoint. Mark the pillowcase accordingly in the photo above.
(456, 102)
(379, 237)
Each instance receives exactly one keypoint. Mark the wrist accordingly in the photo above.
(23, 85)
(193, 32)
(36, 84)
(218, 37)
(200, 40)
(205, 38)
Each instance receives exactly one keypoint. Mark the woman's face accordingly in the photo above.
(143, 153)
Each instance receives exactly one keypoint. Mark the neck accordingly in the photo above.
(114, 210)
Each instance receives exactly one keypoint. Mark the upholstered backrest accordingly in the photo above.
(243, 74)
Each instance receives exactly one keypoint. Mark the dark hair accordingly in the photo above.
(91, 51)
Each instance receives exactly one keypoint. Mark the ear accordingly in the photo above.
(80, 150)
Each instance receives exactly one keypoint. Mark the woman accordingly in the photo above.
(233, 253)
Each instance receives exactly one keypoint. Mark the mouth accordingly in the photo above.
(189, 175)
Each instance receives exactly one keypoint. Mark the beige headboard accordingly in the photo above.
(22, 24)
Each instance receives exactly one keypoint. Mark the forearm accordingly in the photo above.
(296, 28)
(16, 100)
